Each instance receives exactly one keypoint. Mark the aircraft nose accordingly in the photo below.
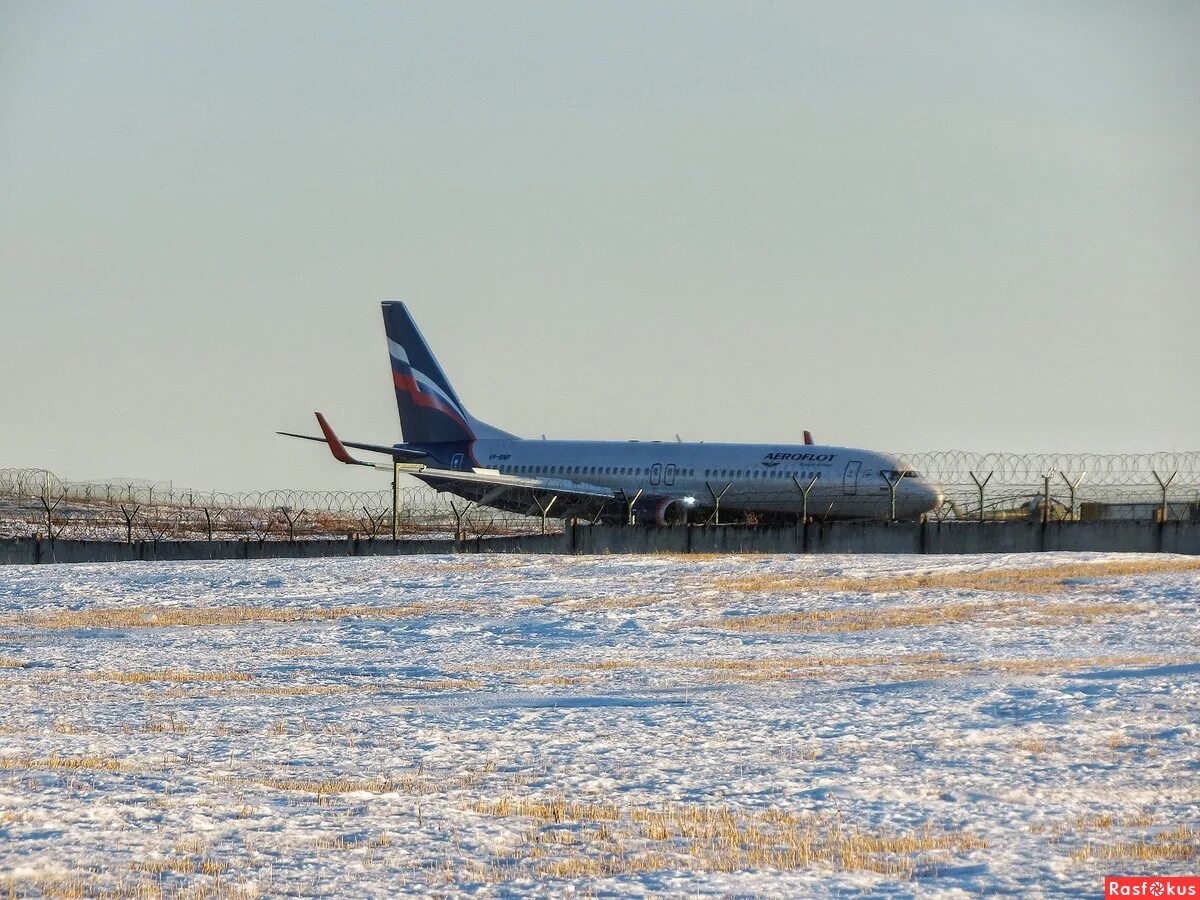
(923, 498)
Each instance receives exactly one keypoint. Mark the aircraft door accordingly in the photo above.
(656, 473)
(850, 478)
(669, 474)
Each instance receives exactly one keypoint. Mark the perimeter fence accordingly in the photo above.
(36, 501)
(977, 487)
(1087, 486)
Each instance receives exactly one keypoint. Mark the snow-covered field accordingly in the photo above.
(730, 726)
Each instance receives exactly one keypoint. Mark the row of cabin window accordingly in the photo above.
(759, 473)
(589, 470)
(639, 470)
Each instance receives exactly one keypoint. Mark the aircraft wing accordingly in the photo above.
(518, 493)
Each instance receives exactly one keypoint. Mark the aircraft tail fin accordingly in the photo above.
(430, 411)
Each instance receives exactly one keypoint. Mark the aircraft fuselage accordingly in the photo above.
(849, 483)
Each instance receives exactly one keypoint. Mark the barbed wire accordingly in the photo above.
(954, 467)
(37, 499)
(996, 484)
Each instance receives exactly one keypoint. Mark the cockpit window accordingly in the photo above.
(896, 474)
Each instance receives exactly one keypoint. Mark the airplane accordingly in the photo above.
(619, 481)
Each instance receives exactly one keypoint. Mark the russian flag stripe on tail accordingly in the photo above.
(430, 411)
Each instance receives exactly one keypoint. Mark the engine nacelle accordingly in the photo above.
(664, 510)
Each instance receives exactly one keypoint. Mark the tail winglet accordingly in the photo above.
(336, 447)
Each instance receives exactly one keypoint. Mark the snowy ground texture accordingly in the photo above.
(613, 726)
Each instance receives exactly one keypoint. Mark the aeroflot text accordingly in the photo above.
(802, 457)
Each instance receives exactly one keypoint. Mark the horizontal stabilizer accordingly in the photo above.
(338, 447)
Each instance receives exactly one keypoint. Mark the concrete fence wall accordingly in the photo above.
(831, 537)
(31, 550)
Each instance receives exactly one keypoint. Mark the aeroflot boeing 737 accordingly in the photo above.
(449, 449)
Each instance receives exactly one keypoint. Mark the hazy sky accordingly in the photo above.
(902, 226)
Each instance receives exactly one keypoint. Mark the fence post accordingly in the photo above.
(129, 515)
(395, 501)
(892, 485)
(291, 522)
(1071, 487)
(544, 510)
(1163, 485)
(629, 505)
(459, 533)
(981, 485)
(716, 516)
(804, 492)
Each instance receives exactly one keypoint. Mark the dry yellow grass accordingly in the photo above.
(1055, 664)
(1180, 844)
(1033, 580)
(554, 809)
(144, 884)
(1093, 822)
(1033, 745)
(604, 839)
(58, 762)
(191, 844)
(893, 667)
(714, 664)
(180, 865)
(11, 662)
(1027, 613)
(299, 652)
(419, 783)
(336, 785)
(296, 690)
(554, 680)
(633, 601)
(339, 842)
(175, 676)
(171, 616)
(442, 684)
(251, 687)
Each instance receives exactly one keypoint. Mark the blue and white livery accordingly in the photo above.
(448, 448)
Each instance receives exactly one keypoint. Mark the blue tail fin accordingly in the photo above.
(430, 411)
